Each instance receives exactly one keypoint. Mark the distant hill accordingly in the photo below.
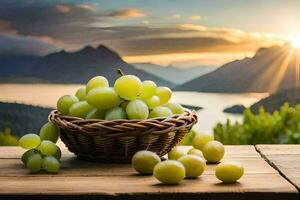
(174, 74)
(272, 102)
(70, 67)
(275, 101)
(21, 118)
(270, 70)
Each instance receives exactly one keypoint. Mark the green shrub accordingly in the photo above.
(7, 139)
(279, 127)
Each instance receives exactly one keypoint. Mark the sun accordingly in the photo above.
(296, 42)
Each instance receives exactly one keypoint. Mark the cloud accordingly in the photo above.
(62, 9)
(195, 17)
(126, 13)
(18, 45)
(6, 27)
(77, 25)
(177, 16)
(86, 7)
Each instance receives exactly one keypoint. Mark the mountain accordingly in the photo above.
(21, 118)
(174, 74)
(271, 103)
(270, 70)
(275, 101)
(71, 67)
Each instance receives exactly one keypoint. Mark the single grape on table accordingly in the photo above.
(195, 152)
(213, 151)
(176, 153)
(144, 161)
(229, 171)
(169, 172)
(201, 139)
(194, 165)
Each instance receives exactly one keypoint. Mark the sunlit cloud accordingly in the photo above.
(195, 17)
(127, 13)
(193, 27)
(62, 9)
(86, 7)
(177, 16)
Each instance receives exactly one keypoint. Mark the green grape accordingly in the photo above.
(65, 102)
(27, 154)
(176, 153)
(50, 164)
(195, 152)
(129, 87)
(97, 81)
(137, 109)
(81, 94)
(34, 163)
(29, 141)
(103, 98)
(213, 151)
(175, 108)
(169, 172)
(201, 139)
(47, 148)
(49, 131)
(144, 161)
(160, 111)
(80, 109)
(164, 94)
(194, 165)
(229, 171)
(148, 90)
(96, 114)
(115, 113)
(152, 102)
(57, 154)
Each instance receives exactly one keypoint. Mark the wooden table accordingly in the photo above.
(86, 180)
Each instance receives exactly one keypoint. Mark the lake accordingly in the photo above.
(46, 95)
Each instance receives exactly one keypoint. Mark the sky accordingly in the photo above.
(167, 32)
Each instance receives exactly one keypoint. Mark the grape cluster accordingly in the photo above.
(42, 153)
(129, 98)
(191, 164)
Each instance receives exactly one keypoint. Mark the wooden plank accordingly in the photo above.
(87, 180)
(284, 158)
(233, 151)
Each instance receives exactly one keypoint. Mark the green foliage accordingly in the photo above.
(279, 127)
(7, 139)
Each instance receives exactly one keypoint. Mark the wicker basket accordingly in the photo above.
(118, 140)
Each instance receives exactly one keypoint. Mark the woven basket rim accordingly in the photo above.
(124, 127)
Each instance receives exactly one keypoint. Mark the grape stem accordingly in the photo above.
(120, 72)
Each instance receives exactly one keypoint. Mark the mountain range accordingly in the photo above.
(270, 70)
(174, 74)
(70, 67)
